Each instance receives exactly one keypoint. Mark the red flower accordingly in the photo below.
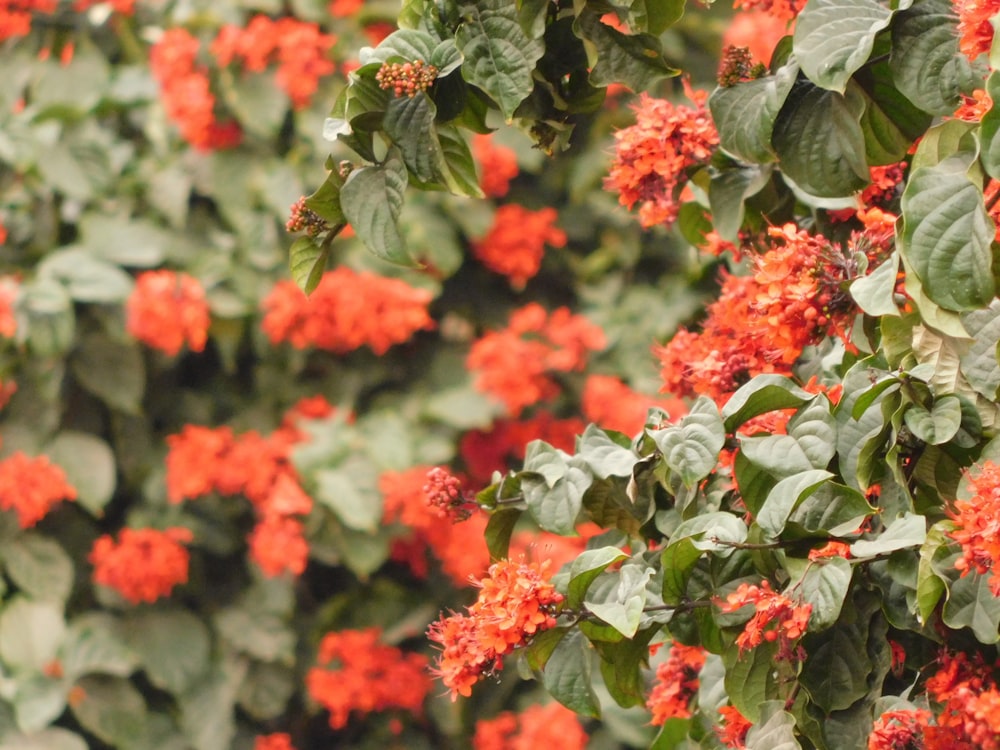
(676, 683)
(899, 730)
(348, 310)
(486, 451)
(548, 726)
(782, 10)
(830, 549)
(974, 27)
(733, 730)
(167, 310)
(654, 157)
(278, 741)
(356, 673)
(977, 525)
(612, 405)
(757, 30)
(31, 486)
(278, 545)
(8, 296)
(515, 244)
(514, 603)
(194, 461)
(144, 564)
(775, 618)
(497, 165)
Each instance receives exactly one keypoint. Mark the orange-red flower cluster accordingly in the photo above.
(974, 106)
(497, 165)
(733, 730)
(676, 683)
(15, 15)
(202, 460)
(894, 730)
(406, 78)
(775, 618)
(974, 27)
(515, 602)
(831, 549)
(515, 244)
(125, 7)
(344, 8)
(757, 31)
(762, 323)
(300, 49)
(167, 310)
(445, 497)
(782, 10)
(144, 564)
(486, 451)
(977, 525)
(8, 296)
(185, 91)
(461, 550)
(548, 726)
(277, 741)
(357, 673)
(515, 364)
(882, 191)
(347, 310)
(966, 691)
(654, 157)
(612, 405)
(31, 486)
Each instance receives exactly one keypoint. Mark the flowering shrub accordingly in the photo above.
(261, 491)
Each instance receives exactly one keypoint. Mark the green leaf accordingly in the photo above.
(926, 63)
(834, 38)
(786, 496)
(815, 430)
(125, 241)
(940, 424)
(930, 584)
(206, 711)
(586, 568)
(621, 606)
(326, 200)
(38, 701)
(89, 465)
(763, 394)
(972, 604)
(727, 191)
(780, 455)
(409, 44)
(859, 437)
(446, 57)
(831, 509)
(678, 561)
(908, 531)
(947, 235)
(825, 586)
(30, 633)
(603, 456)
(345, 495)
(541, 646)
(635, 60)
(499, 56)
(263, 635)
(86, 278)
(774, 731)
(257, 100)
(173, 645)
(979, 362)
(556, 508)
(875, 293)
(751, 678)
(307, 261)
(112, 709)
(716, 531)
(409, 122)
(372, 198)
(499, 529)
(95, 644)
(51, 322)
(459, 168)
(609, 505)
(621, 667)
(745, 114)
(267, 690)
(46, 739)
(112, 370)
(819, 140)
(567, 675)
(891, 123)
(990, 129)
(39, 567)
(691, 448)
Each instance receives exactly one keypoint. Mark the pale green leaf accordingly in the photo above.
(372, 198)
(744, 114)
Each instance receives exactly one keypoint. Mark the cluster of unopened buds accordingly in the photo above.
(304, 219)
(444, 495)
(406, 79)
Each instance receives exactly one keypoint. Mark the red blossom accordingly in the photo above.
(278, 545)
(775, 618)
(8, 296)
(756, 30)
(496, 448)
(515, 244)
(144, 564)
(31, 486)
(356, 673)
(977, 525)
(899, 730)
(676, 683)
(548, 726)
(167, 310)
(781, 10)
(347, 310)
(612, 405)
(277, 741)
(497, 165)
(831, 549)
(974, 27)
(733, 730)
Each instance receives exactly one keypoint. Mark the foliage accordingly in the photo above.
(236, 515)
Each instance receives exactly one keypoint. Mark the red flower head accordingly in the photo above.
(551, 725)
(676, 683)
(167, 310)
(144, 564)
(977, 525)
(515, 244)
(775, 618)
(497, 166)
(31, 486)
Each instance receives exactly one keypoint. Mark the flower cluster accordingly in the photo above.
(167, 310)
(276, 741)
(974, 106)
(551, 725)
(977, 525)
(757, 31)
(515, 243)
(781, 10)
(515, 602)
(357, 673)
(762, 323)
(445, 496)
(460, 550)
(303, 219)
(884, 188)
(969, 698)
(775, 618)
(654, 157)
(125, 7)
(515, 365)
(185, 90)
(611, 404)
(8, 296)
(974, 27)
(900, 729)
(497, 165)
(347, 310)
(31, 486)
(676, 683)
(831, 549)
(732, 732)
(144, 564)
(15, 15)
(300, 49)
(406, 79)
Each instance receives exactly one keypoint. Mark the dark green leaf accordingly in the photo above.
(267, 690)
(635, 60)
(891, 123)
(930, 584)
(89, 465)
(834, 38)
(825, 586)
(781, 455)
(173, 645)
(95, 644)
(38, 566)
(678, 560)
(409, 122)
(586, 568)
(832, 509)
(499, 56)
(907, 531)
(112, 709)
(972, 604)
(112, 370)
(744, 114)
(498, 532)
(621, 667)
(774, 731)
(567, 675)
(979, 361)
(692, 447)
(326, 200)
(786, 496)
(990, 129)
(307, 262)
(726, 193)
(763, 394)
(372, 198)
(940, 424)
(458, 168)
(836, 671)
(751, 678)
